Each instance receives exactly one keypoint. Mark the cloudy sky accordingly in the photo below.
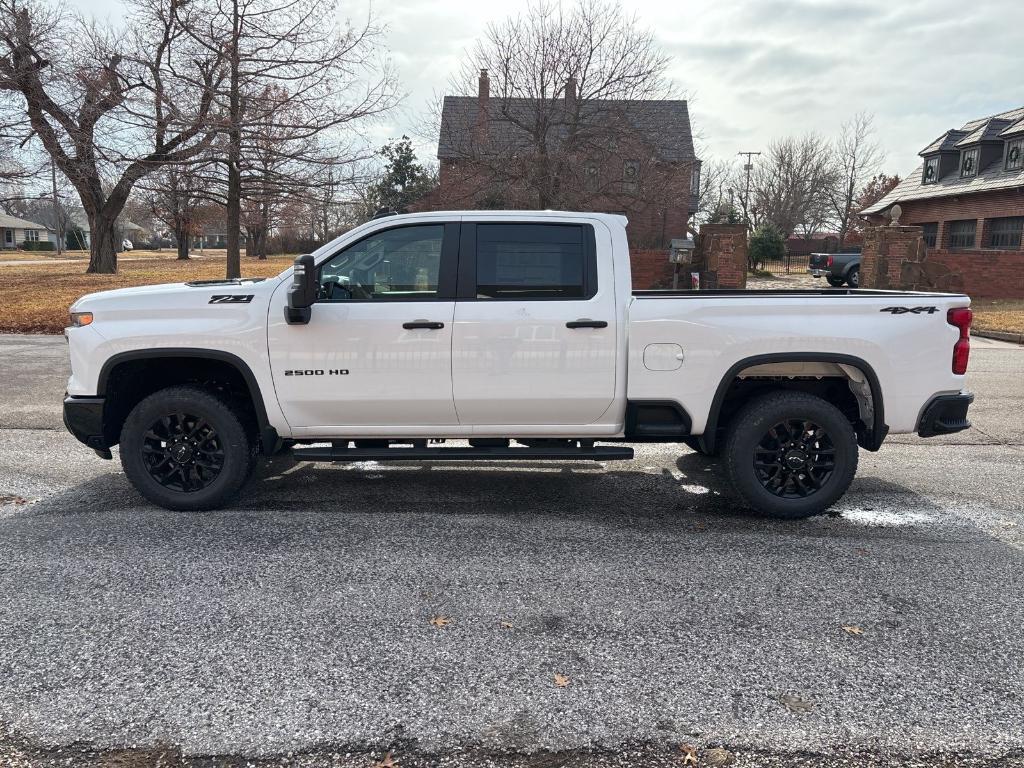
(757, 69)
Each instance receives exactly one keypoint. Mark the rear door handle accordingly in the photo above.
(428, 324)
(586, 322)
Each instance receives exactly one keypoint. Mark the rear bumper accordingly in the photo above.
(818, 272)
(83, 417)
(945, 414)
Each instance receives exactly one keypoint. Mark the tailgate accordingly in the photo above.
(818, 261)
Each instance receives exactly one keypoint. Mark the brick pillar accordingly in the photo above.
(896, 258)
(721, 256)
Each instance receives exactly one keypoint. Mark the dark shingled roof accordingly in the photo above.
(664, 124)
(945, 143)
(993, 178)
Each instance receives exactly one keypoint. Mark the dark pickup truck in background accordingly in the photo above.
(837, 268)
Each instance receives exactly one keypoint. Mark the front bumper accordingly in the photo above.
(945, 414)
(83, 417)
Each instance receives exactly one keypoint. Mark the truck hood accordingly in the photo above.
(167, 294)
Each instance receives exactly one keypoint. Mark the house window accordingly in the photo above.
(930, 232)
(1015, 155)
(9, 236)
(630, 174)
(961, 233)
(695, 179)
(969, 162)
(931, 171)
(32, 235)
(1006, 232)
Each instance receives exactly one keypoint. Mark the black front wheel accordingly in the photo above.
(186, 448)
(790, 454)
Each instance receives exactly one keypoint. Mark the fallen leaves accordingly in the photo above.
(718, 756)
(507, 625)
(861, 550)
(561, 681)
(689, 753)
(387, 762)
(17, 500)
(795, 703)
(441, 621)
(853, 629)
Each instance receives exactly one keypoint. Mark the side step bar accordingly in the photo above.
(552, 453)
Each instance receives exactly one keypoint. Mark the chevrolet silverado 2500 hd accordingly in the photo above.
(516, 332)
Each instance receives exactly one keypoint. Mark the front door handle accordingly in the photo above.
(428, 324)
(586, 322)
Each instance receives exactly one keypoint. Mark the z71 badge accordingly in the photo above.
(231, 298)
(911, 310)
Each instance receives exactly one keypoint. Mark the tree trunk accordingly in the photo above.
(234, 202)
(181, 235)
(102, 244)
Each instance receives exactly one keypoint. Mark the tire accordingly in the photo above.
(187, 449)
(853, 278)
(779, 469)
(835, 282)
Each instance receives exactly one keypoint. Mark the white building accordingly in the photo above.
(15, 231)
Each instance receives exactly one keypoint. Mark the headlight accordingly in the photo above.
(80, 319)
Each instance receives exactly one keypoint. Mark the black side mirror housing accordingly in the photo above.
(302, 293)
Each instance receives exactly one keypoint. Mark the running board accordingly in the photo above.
(553, 453)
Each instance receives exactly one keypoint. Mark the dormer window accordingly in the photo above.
(931, 170)
(1015, 155)
(969, 163)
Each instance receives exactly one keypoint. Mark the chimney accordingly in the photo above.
(570, 92)
(484, 92)
(482, 113)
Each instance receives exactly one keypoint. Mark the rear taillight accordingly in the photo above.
(828, 262)
(961, 318)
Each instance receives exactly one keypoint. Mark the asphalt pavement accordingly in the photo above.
(339, 612)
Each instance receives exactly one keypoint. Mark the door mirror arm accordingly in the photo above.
(303, 291)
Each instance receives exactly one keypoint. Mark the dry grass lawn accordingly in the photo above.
(1006, 315)
(35, 297)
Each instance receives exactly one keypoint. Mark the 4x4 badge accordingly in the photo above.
(910, 310)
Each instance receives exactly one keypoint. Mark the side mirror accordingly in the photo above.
(302, 293)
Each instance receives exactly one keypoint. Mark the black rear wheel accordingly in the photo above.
(854, 277)
(185, 448)
(790, 454)
(835, 282)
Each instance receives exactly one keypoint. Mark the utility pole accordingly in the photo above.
(748, 167)
(56, 209)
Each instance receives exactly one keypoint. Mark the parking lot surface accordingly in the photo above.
(427, 609)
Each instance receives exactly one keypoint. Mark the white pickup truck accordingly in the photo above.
(518, 335)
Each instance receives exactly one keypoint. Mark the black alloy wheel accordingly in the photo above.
(189, 448)
(183, 452)
(794, 459)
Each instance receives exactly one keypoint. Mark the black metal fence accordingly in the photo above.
(791, 263)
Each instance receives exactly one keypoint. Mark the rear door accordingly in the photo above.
(534, 338)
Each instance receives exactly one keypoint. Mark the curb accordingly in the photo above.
(1015, 338)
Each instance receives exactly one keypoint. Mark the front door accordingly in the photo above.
(535, 326)
(377, 349)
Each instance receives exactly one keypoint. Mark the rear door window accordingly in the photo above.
(534, 261)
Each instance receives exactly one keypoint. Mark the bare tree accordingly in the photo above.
(791, 184)
(857, 157)
(559, 91)
(716, 195)
(325, 77)
(109, 108)
(175, 196)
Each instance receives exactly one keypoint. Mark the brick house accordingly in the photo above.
(615, 156)
(968, 196)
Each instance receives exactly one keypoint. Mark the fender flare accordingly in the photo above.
(268, 435)
(877, 431)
